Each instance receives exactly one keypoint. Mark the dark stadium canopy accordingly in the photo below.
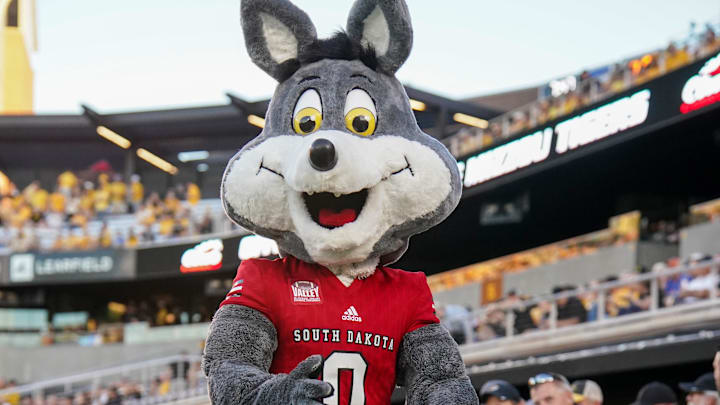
(51, 140)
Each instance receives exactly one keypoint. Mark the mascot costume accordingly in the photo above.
(340, 177)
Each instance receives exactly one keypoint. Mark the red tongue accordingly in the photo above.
(329, 217)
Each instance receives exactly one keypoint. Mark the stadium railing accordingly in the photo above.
(510, 329)
(157, 381)
(622, 229)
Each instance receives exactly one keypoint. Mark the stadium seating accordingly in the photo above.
(588, 87)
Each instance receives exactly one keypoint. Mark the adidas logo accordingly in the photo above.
(351, 314)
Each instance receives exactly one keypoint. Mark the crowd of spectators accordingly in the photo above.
(183, 379)
(548, 388)
(621, 229)
(588, 87)
(627, 294)
(106, 324)
(68, 211)
(179, 380)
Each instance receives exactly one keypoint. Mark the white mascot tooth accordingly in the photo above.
(329, 303)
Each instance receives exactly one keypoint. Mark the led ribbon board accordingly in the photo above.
(664, 99)
(581, 130)
(702, 89)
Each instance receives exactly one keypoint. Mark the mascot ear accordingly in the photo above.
(276, 32)
(385, 26)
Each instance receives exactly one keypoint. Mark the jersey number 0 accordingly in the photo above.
(353, 362)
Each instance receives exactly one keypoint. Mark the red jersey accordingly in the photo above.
(357, 329)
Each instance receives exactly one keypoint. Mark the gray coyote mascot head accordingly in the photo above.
(341, 175)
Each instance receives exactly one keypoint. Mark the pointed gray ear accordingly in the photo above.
(385, 25)
(275, 33)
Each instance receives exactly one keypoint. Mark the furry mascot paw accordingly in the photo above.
(341, 177)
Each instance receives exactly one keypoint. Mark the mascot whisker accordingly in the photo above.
(340, 177)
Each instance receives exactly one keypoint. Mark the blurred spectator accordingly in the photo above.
(492, 324)
(629, 298)
(66, 181)
(589, 299)
(675, 58)
(500, 392)
(702, 283)
(113, 398)
(455, 319)
(12, 398)
(523, 320)
(716, 368)
(137, 191)
(570, 310)
(193, 193)
(587, 392)
(709, 40)
(550, 389)
(702, 391)
(655, 393)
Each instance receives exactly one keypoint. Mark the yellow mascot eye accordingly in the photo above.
(307, 121)
(360, 121)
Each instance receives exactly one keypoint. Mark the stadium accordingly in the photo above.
(586, 242)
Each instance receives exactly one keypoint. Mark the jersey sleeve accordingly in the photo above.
(249, 287)
(422, 310)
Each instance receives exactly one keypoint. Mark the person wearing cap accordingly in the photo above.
(500, 392)
(702, 283)
(550, 389)
(587, 392)
(701, 391)
(655, 393)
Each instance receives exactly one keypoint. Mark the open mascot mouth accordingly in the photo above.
(331, 212)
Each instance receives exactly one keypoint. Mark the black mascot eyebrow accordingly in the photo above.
(349, 177)
(340, 47)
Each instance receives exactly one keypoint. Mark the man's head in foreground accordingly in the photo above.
(655, 393)
(587, 392)
(550, 389)
(701, 391)
(500, 392)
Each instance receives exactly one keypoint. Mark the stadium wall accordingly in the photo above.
(610, 261)
(704, 238)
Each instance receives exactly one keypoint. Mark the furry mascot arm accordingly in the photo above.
(238, 353)
(430, 367)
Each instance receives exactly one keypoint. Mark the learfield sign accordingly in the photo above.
(67, 266)
(687, 89)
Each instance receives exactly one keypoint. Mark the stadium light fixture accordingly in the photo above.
(417, 105)
(470, 120)
(193, 155)
(113, 137)
(156, 161)
(256, 120)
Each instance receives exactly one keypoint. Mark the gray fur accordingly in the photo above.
(238, 352)
(398, 20)
(430, 367)
(294, 18)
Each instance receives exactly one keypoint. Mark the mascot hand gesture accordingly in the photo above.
(340, 177)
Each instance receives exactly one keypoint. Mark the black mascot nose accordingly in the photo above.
(322, 155)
